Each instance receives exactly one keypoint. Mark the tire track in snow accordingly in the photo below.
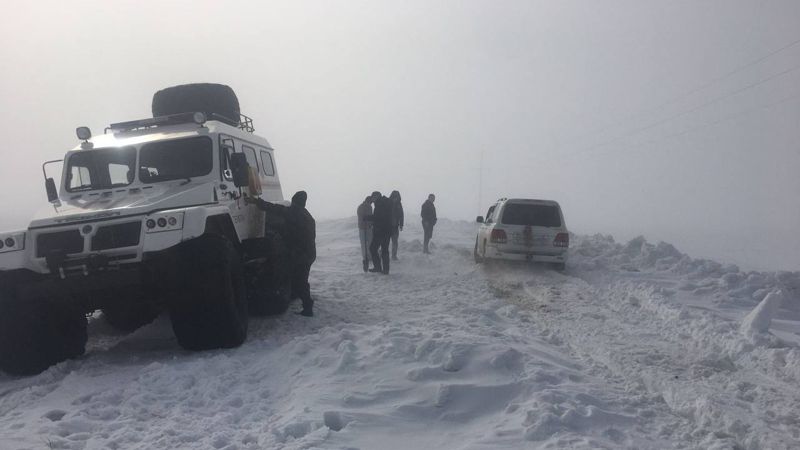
(660, 351)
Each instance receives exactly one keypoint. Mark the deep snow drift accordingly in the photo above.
(635, 346)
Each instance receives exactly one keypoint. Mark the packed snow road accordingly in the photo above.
(634, 346)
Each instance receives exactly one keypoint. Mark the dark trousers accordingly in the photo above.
(300, 286)
(427, 227)
(380, 238)
(394, 237)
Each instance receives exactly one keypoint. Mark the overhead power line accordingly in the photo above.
(725, 118)
(696, 89)
(689, 111)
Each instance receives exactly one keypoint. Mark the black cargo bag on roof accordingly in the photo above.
(208, 98)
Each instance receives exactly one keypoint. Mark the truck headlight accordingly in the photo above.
(166, 221)
(12, 242)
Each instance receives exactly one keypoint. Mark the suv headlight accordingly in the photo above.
(165, 221)
(12, 242)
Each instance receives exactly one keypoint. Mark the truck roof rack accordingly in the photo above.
(244, 123)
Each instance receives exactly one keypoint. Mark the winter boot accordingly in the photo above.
(365, 263)
(308, 308)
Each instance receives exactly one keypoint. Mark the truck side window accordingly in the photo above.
(250, 152)
(266, 164)
(225, 149)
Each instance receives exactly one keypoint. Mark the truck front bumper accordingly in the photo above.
(82, 286)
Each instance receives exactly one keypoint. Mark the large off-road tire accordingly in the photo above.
(209, 309)
(37, 333)
(269, 282)
(203, 97)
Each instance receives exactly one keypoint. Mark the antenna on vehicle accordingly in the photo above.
(480, 183)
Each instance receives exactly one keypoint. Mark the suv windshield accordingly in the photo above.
(100, 169)
(534, 215)
(174, 160)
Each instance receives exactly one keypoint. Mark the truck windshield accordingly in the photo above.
(534, 215)
(174, 160)
(100, 169)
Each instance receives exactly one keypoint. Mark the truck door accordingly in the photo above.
(247, 219)
(270, 183)
(255, 217)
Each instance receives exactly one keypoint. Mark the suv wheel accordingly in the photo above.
(210, 308)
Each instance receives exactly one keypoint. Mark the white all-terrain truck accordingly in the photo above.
(148, 216)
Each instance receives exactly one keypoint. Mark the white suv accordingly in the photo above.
(523, 230)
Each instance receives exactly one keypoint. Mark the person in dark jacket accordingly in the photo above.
(364, 211)
(300, 235)
(428, 221)
(381, 230)
(397, 220)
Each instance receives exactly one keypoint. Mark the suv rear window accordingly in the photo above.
(534, 215)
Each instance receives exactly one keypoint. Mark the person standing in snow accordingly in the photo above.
(365, 230)
(300, 235)
(428, 221)
(397, 221)
(381, 230)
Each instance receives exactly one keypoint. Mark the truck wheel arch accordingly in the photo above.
(222, 225)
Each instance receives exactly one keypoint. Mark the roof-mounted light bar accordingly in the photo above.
(244, 123)
(173, 119)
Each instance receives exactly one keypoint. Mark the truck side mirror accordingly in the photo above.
(52, 192)
(240, 170)
(479, 219)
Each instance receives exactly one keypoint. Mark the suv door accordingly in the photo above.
(485, 229)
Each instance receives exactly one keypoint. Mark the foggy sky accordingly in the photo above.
(595, 104)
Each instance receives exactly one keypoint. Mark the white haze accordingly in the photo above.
(546, 97)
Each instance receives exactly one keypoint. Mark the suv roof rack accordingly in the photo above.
(244, 123)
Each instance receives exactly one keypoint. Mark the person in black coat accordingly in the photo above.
(428, 214)
(397, 220)
(300, 235)
(381, 231)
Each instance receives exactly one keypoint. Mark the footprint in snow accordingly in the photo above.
(55, 415)
(296, 430)
(335, 420)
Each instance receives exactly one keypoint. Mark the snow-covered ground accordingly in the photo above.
(635, 346)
